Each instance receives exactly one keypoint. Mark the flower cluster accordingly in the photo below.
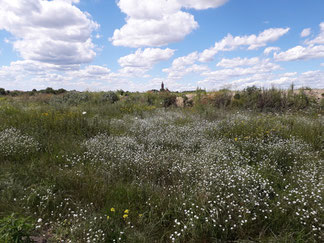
(225, 180)
(13, 142)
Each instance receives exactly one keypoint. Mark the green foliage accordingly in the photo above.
(168, 99)
(49, 90)
(273, 99)
(71, 98)
(15, 229)
(222, 99)
(2, 91)
(110, 97)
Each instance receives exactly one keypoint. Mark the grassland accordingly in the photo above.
(90, 167)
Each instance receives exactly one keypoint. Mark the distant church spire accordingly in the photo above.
(162, 87)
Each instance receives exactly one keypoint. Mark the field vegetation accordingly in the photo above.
(161, 167)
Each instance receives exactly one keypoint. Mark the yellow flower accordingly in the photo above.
(126, 211)
(108, 217)
(235, 139)
(112, 210)
(140, 215)
(125, 216)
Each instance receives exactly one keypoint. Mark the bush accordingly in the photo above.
(15, 229)
(301, 100)
(110, 97)
(168, 99)
(271, 100)
(222, 99)
(70, 98)
(2, 91)
(49, 90)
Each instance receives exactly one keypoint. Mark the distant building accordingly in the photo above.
(162, 87)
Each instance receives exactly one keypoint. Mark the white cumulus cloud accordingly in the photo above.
(145, 58)
(55, 32)
(312, 49)
(270, 49)
(159, 22)
(263, 66)
(202, 4)
(238, 61)
(141, 61)
(184, 65)
(230, 43)
(305, 32)
(301, 53)
(318, 39)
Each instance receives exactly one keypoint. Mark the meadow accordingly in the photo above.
(134, 167)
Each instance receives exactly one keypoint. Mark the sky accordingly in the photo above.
(134, 45)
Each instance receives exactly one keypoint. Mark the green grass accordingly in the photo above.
(205, 173)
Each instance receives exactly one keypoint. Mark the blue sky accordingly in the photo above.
(136, 44)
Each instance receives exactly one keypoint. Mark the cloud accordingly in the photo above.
(313, 49)
(270, 49)
(318, 39)
(177, 74)
(180, 62)
(313, 79)
(180, 66)
(184, 65)
(202, 4)
(300, 53)
(140, 62)
(91, 72)
(236, 62)
(158, 22)
(230, 43)
(55, 32)
(239, 73)
(152, 32)
(262, 66)
(28, 75)
(305, 32)
(146, 58)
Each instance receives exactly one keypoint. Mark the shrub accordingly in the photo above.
(60, 91)
(301, 100)
(237, 96)
(2, 91)
(152, 98)
(168, 99)
(49, 90)
(271, 99)
(222, 99)
(15, 229)
(250, 97)
(70, 98)
(110, 97)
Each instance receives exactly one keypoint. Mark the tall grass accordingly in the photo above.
(141, 170)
